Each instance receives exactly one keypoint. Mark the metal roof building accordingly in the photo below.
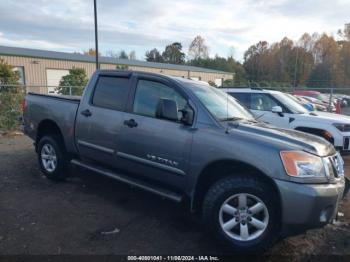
(42, 70)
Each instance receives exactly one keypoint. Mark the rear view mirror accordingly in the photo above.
(166, 109)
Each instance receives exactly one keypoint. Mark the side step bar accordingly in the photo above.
(131, 181)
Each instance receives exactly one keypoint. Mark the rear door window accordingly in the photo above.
(111, 92)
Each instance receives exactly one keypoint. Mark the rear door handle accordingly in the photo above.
(130, 123)
(86, 113)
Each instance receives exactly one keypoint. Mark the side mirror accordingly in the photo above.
(166, 109)
(187, 116)
(277, 110)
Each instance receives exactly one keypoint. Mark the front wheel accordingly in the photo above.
(243, 213)
(51, 158)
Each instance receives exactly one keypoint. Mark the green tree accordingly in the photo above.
(11, 97)
(154, 56)
(73, 83)
(123, 55)
(7, 75)
(173, 54)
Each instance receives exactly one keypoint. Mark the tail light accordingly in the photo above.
(24, 105)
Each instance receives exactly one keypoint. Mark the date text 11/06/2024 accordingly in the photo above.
(173, 258)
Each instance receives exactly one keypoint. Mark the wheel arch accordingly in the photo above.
(48, 127)
(225, 168)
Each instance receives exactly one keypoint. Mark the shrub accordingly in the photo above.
(11, 96)
(10, 108)
(212, 83)
(73, 83)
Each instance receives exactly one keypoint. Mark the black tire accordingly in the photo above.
(60, 171)
(230, 186)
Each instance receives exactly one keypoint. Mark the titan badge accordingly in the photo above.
(162, 160)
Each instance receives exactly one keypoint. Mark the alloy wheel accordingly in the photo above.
(243, 217)
(48, 158)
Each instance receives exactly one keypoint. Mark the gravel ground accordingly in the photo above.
(90, 214)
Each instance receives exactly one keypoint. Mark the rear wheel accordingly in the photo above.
(51, 157)
(243, 213)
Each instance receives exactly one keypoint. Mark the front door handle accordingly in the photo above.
(86, 113)
(130, 123)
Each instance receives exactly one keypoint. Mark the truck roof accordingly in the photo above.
(249, 90)
(178, 79)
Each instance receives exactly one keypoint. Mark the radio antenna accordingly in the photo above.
(227, 112)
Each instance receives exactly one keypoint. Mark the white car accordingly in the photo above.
(278, 109)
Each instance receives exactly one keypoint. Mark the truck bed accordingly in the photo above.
(61, 97)
(59, 110)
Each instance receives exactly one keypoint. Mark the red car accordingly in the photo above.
(324, 100)
(311, 93)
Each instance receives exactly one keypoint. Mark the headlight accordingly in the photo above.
(342, 127)
(300, 164)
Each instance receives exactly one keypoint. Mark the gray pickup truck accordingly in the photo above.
(186, 141)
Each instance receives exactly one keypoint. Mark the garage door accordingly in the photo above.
(53, 78)
(218, 82)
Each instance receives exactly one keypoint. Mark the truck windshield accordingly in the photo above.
(289, 103)
(220, 104)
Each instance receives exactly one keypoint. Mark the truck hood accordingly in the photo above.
(293, 140)
(324, 117)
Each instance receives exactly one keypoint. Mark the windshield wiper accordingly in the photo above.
(252, 120)
(231, 119)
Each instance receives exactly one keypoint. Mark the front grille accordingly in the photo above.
(346, 143)
(335, 166)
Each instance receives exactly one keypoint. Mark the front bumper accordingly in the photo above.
(307, 206)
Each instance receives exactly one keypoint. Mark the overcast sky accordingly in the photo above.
(142, 25)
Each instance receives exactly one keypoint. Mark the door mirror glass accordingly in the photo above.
(277, 109)
(166, 109)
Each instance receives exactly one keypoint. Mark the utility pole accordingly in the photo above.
(96, 36)
(295, 69)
